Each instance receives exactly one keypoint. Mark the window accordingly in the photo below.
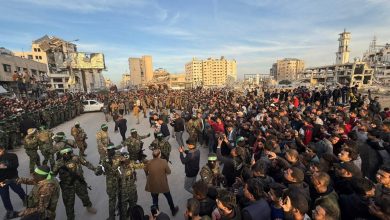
(30, 57)
(7, 68)
(85, 102)
(57, 80)
(36, 57)
(40, 57)
(92, 102)
(39, 50)
(35, 49)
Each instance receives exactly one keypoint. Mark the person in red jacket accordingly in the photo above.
(218, 126)
(308, 131)
(296, 101)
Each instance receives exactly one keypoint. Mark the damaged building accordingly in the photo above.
(343, 72)
(68, 69)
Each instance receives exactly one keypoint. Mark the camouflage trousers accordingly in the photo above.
(81, 145)
(128, 198)
(34, 159)
(112, 184)
(48, 156)
(102, 152)
(69, 192)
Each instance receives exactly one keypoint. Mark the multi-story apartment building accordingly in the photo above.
(125, 81)
(141, 70)
(211, 72)
(287, 69)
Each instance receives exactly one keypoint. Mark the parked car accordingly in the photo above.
(92, 106)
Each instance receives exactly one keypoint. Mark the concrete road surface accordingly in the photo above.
(91, 122)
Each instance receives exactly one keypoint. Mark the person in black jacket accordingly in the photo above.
(121, 123)
(355, 205)
(258, 207)
(200, 192)
(336, 95)
(178, 128)
(191, 163)
(9, 170)
(163, 128)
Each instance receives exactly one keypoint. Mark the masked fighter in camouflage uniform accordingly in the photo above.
(45, 142)
(102, 140)
(210, 173)
(31, 147)
(72, 183)
(61, 143)
(163, 145)
(134, 145)
(79, 136)
(43, 198)
(120, 181)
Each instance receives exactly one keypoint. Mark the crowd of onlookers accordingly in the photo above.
(273, 154)
(288, 154)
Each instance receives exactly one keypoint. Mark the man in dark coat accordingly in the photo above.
(121, 123)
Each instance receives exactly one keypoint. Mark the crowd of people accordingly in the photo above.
(273, 154)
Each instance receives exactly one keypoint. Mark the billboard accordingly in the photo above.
(82, 60)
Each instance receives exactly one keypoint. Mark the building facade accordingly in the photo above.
(358, 73)
(67, 68)
(125, 81)
(141, 70)
(9, 63)
(108, 83)
(287, 69)
(378, 58)
(211, 72)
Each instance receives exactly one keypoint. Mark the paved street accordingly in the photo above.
(91, 123)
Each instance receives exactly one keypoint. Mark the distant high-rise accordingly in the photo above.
(287, 69)
(342, 55)
(211, 72)
(141, 70)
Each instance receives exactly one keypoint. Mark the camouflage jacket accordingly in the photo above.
(69, 170)
(117, 168)
(31, 142)
(102, 138)
(134, 145)
(43, 197)
(78, 134)
(210, 176)
(163, 145)
(45, 137)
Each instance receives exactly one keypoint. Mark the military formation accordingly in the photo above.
(14, 125)
(58, 152)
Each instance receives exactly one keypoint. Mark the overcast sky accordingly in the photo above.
(254, 32)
